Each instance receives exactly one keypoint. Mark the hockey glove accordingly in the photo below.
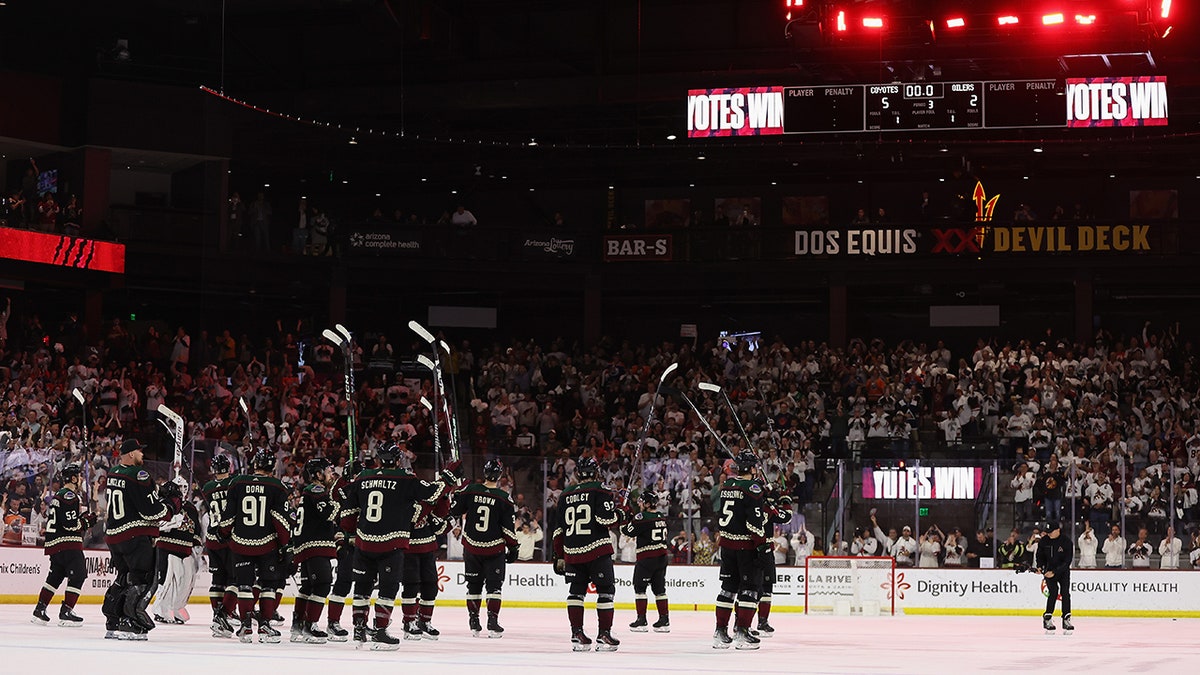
(764, 557)
(511, 556)
(560, 567)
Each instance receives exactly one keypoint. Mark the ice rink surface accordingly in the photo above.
(539, 639)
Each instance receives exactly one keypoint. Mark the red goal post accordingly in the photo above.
(852, 585)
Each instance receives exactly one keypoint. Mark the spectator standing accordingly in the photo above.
(980, 548)
(1012, 551)
(930, 547)
(1114, 549)
(1169, 550)
(1087, 547)
(48, 211)
(259, 215)
(528, 537)
(1140, 550)
(1023, 483)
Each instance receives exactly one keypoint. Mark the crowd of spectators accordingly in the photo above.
(1085, 424)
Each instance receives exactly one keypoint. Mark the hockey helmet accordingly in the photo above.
(315, 466)
(492, 470)
(388, 455)
(264, 460)
(746, 461)
(648, 498)
(70, 472)
(220, 464)
(586, 469)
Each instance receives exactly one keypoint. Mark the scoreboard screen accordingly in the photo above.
(924, 105)
(929, 106)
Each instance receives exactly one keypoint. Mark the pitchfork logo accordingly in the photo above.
(74, 252)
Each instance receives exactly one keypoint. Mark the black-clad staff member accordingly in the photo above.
(1054, 555)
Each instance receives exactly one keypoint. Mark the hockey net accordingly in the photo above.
(850, 585)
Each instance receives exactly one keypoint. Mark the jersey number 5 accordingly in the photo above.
(726, 514)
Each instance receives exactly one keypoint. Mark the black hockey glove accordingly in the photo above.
(511, 556)
(764, 557)
(287, 562)
(172, 496)
(560, 567)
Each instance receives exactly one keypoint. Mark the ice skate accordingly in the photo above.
(579, 641)
(605, 642)
(220, 626)
(412, 630)
(428, 631)
(474, 625)
(1048, 624)
(360, 633)
(663, 625)
(383, 641)
(336, 632)
(495, 631)
(67, 617)
(1068, 629)
(297, 632)
(131, 630)
(639, 625)
(268, 634)
(314, 635)
(744, 640)
(245, 633)
(39, 615)
(765, 630)
(721, 639)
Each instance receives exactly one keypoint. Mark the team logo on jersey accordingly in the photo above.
(317, 488)
(755, 488)
(68, 495)
(143, 475)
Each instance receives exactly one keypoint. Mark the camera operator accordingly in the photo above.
(1054, 555)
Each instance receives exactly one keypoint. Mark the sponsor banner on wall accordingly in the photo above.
(876, 241)
(385, 242)
(62, 250)
(917, 591)
(541, 247)
(623, 247)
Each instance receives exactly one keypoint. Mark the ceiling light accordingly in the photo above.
(670, 137)
(1037, 149)
(353, 141)
(533, 142)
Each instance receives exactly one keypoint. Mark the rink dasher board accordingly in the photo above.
(1117, 593)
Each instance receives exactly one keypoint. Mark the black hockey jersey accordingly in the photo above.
(488, 517)
(650, 531)
(255, 516)
(181, 533)
(742, 519)
(382, 507)
(215, 493)
(134, 506)
(586, 513)
(316, 524)
(65, 523)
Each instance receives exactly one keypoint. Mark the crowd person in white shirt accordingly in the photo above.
(1087, 547)
(930, 547)
(454, 546)
(1168, 550)
(1114, 549)
(1140, 550)
(886, 541)
(781, 546)
(802, 546)
(527, 539)
(905, 549)
(864, 545)
(954, 548)
(1023, 483)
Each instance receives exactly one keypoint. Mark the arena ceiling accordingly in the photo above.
(598, 86)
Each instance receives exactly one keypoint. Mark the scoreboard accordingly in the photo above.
(920, 106)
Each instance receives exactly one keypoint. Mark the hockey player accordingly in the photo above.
(1054, 556)
(779, 512)
(420, 576)
(744, 553)
(380, 507)
(222, 594)
(489, 542)
(312, 549)
(583, 551)
(649, 530)
(175, 568)
(65, 525)
(135, 508)
(256, 521)
(343, 583)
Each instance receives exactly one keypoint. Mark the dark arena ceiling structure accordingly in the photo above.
(585, 93)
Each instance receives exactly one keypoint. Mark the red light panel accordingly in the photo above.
(1052, 19)
(872, 22)
(1165, 9)
(956, 22)
(1085, 19)
(841, 22)
(1008, 20)
(62, 250)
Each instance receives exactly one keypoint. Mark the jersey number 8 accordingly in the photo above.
(374, 510)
